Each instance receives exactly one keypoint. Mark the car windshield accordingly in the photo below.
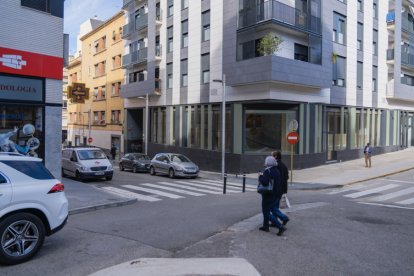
(178, 158)
(141, 157)
(91, 154)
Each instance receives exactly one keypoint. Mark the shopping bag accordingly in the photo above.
(284, 202)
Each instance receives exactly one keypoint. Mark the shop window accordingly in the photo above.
(216, 131)
(339, 28)
(339, 72)
(205, 32)
(159, 125)
(28, 138)
(301, 52)
(267, 129)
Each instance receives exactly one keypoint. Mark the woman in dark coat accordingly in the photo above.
(268, 200)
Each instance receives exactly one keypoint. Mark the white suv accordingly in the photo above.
(32, 205)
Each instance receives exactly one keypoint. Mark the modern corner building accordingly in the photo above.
(33, 51)
(98, 66)
(337, 73)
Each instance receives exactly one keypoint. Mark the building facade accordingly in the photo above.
(33, 51)
(333, 74)
(98, 67)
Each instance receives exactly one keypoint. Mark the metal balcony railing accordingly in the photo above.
(157, 86)
(126, 59)
(390, 54)
(406, 24)
(280, 12)
(136, 77)
(158, 50)
(158, 14)
(141, 21)
(126, 2)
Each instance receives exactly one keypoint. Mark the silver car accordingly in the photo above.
(173, 164)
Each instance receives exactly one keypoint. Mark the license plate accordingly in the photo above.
(99, 173)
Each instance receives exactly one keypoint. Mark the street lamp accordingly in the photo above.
(223, 127)
(146, 122)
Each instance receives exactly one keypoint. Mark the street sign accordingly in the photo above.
(90, 140)
(293, 125)
(292, 138)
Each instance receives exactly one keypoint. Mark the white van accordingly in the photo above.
(86, 163)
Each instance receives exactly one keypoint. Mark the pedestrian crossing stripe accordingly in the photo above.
(407, 201)
(131, 194)
(393, 195)
(152, 191)
(372, 191)
(173, 189)
(231, 183)
(204, 186)
(221, 185)
(189, 188)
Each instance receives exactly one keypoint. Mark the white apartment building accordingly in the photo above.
(338, 73)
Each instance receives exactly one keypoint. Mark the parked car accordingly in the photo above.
(86, 163)
(137, 162)
(173, 165)
(33, 205)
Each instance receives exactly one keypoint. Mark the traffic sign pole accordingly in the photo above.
(292, 139)
(291, 162)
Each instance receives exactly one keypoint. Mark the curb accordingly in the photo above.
(376, 177)
(101, 206)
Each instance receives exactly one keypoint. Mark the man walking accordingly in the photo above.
(368, 154)
(284, 176)
(113, 152)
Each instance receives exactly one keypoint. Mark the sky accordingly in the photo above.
(78, 11)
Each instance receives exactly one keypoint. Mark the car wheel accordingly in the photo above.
(108, 178)
(152, 171)
(21, 237)
(121, 168)
(134, 169)
(63, 173)
(172, 174)
(79, 177)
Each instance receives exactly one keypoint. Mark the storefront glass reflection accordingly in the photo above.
(21, 130)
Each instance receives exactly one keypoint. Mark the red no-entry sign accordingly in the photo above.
(292, 138)
(90, 140)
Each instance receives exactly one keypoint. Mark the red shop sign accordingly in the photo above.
(30, 64)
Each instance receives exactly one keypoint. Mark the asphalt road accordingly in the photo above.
(342, 237)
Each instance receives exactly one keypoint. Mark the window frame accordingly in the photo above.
(204, 27)
(339, 22)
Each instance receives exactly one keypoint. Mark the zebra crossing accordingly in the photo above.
(379, 192)
(176, 189)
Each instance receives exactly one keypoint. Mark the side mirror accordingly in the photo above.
(73, 159)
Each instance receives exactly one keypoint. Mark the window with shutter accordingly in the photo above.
(360, 70)
(375, 42)
(374, 78)
(205, 68)
(205, 32)
(169, 75)
(339, 72)
(184, 34)
(170, 35)
(360, 35)
(184, 72)
(339, 28)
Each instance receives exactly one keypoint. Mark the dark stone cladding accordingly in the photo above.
(209, 160)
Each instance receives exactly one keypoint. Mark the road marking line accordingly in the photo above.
(173, 190)
(407, 201)
(385, 205)
(349, 188)
(189, 188)
(155, 192)
(372, 191)
(232, 183)
(131, 194)
(204, 186)
(396, 181)
(392, 195)
(221, 185)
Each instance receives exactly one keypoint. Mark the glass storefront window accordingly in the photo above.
(192, 127)
(158, 129)
(217, 128)
(266, 130)
(21, 130)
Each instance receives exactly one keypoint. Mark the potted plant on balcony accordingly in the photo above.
(334, 57)
(270, 44)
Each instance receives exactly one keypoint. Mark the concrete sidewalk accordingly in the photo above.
(337, 174)
(85, 198)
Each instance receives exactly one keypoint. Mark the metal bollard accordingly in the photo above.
(225, 183)
(244, 182)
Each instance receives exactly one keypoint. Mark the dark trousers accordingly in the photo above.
(267, 204)
(276, 211)
(113, 156)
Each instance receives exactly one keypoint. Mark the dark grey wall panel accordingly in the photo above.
(184, 14)
(205, 5)
(361, 17)
(170, 57)
(360, 56)
(170, 21)
(338, 95)
(205, 47)
(184, 53)
(375, 24)
(339, 49)
(183, 95)
(374, 60)
(168, 96)
(360, 95)
(204, 93)
(374, 99)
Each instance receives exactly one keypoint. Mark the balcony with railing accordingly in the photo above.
(390, 54)
(157, 87)
(158, 16)
(136, 25)
(158, 51)
(135, 57)
(281, 13)
(391, 21)
(407, 22)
